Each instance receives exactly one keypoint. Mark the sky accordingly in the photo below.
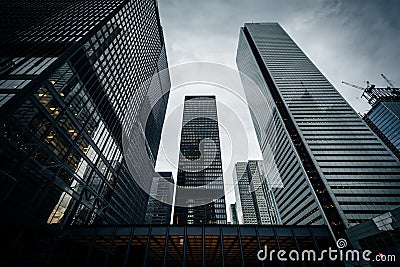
(348, 40)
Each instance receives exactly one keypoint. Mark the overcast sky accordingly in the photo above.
(347, 40)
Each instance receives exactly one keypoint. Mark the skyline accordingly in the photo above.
(97, 119)
(327, 32)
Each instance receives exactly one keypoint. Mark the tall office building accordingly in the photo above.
(200, 164)
(159, 207)
(334, 170)
(254, 201)
(69, 71)
(384, 120)
(234, 216)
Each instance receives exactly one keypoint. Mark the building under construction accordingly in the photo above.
(384, 116)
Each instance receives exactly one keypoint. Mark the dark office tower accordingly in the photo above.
(334, 169)
(69, 71)
(200, 164)
(234, 216)
(384, 120)
(159, 207)
(254, 199)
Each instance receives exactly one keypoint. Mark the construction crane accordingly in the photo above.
(367, 89)
(387, 80)
(395, 90)
(353, 85)
(374, 94)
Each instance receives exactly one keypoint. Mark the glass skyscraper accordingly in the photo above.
(233, 211)
(384, 120)
(69, 72)
(254, 200)
(200, 164)
(159, 207)
(333, 169)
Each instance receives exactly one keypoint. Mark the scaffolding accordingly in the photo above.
(375, 95)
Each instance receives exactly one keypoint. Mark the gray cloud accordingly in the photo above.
(337, 35)
(350, 40)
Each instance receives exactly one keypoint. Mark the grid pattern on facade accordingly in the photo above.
(50, 22)
(61, 132)
(255, 203)
(159, 207)
(384, 119)
(234, 215)
(353, 174)
(245, 205)
(277, 149)
(200, 161)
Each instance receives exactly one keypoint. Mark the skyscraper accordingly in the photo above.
(70, 70)
(384, 120)
(333, 168)
(255, 203)
(159, 207)
(200, 164)
(234, 217)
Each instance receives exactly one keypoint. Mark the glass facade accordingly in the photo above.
(234, 216)
(200, 163)
(381, 235)
(333, 168)
(255, 202)
(69, 72)
(384, 120)
(159, 207)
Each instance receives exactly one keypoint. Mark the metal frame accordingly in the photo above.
(82, 233)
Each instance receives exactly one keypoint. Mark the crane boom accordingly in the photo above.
(387, 80)
(353, 85)
(375, 94)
